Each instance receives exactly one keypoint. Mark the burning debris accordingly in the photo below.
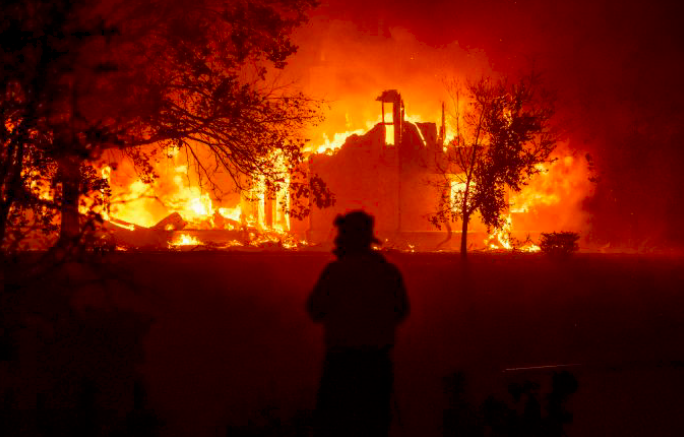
(171, 233)
(386, 170)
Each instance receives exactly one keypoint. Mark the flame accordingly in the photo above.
(553, 199)
(185, 240)
(234, 214)
(282, 219)
(500, 238)
(129, 207)
(329, 147)
(529, 247)
(106, 174)
(559, 187)
(457, 189)
(538, 193)
(145, 204)
(190, 202)
(263, 217)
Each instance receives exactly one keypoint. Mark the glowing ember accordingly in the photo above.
(185, 240)
(146, 204)
(529, 247)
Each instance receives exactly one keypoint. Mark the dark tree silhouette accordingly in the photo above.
(81, 77)
(503, 134)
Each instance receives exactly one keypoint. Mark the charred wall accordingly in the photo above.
(391, 182)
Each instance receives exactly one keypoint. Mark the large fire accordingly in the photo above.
(192, 215)
(550, 202)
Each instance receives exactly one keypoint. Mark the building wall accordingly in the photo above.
(389, 182)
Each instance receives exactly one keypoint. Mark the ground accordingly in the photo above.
(229, 346)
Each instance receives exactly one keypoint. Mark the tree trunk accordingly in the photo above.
(465, 215)
(69, 175)
(4, 217)
(3, 228)
(464, 235)
(12, 180)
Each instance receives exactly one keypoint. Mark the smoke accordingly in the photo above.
(616, 67)
(348, 67)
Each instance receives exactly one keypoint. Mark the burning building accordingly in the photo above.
(392, 170)
(386, 172)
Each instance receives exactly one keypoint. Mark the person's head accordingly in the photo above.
(354, 233)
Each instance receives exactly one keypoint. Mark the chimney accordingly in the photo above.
(393, 97)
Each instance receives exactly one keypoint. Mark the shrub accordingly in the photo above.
(559, 244)
(528, 411)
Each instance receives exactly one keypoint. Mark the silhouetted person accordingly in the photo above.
(360, 299)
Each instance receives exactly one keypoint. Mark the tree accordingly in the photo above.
(502, 136)
(81, 77)
(34, 78)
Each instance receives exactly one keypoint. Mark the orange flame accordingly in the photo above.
(185, 240)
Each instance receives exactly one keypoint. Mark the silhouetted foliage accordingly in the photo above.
(313, 191)
(267, 424)
(529, 414)
(559, 244)
(503, 135)
(81, 77)
(75, 365)
(460, 417)
(36, 71)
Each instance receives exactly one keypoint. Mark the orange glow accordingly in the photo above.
(330, 146)
(551, 201)
(146, 204)
(185, 240)
(501, 238)
(234, 214)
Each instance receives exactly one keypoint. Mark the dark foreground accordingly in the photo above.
(216, 343)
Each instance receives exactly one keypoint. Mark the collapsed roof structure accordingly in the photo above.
(387, 172)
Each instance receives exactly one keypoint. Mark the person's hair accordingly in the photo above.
(354, 233)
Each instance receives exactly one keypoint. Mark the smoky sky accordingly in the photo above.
(617, 68)
(499, 25)
(605, 49)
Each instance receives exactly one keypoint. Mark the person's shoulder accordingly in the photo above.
(385, 264)
(393, 269)
(390, 267)
(377, 257)
(333, 267)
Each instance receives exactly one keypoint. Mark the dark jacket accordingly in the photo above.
(360, 299)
